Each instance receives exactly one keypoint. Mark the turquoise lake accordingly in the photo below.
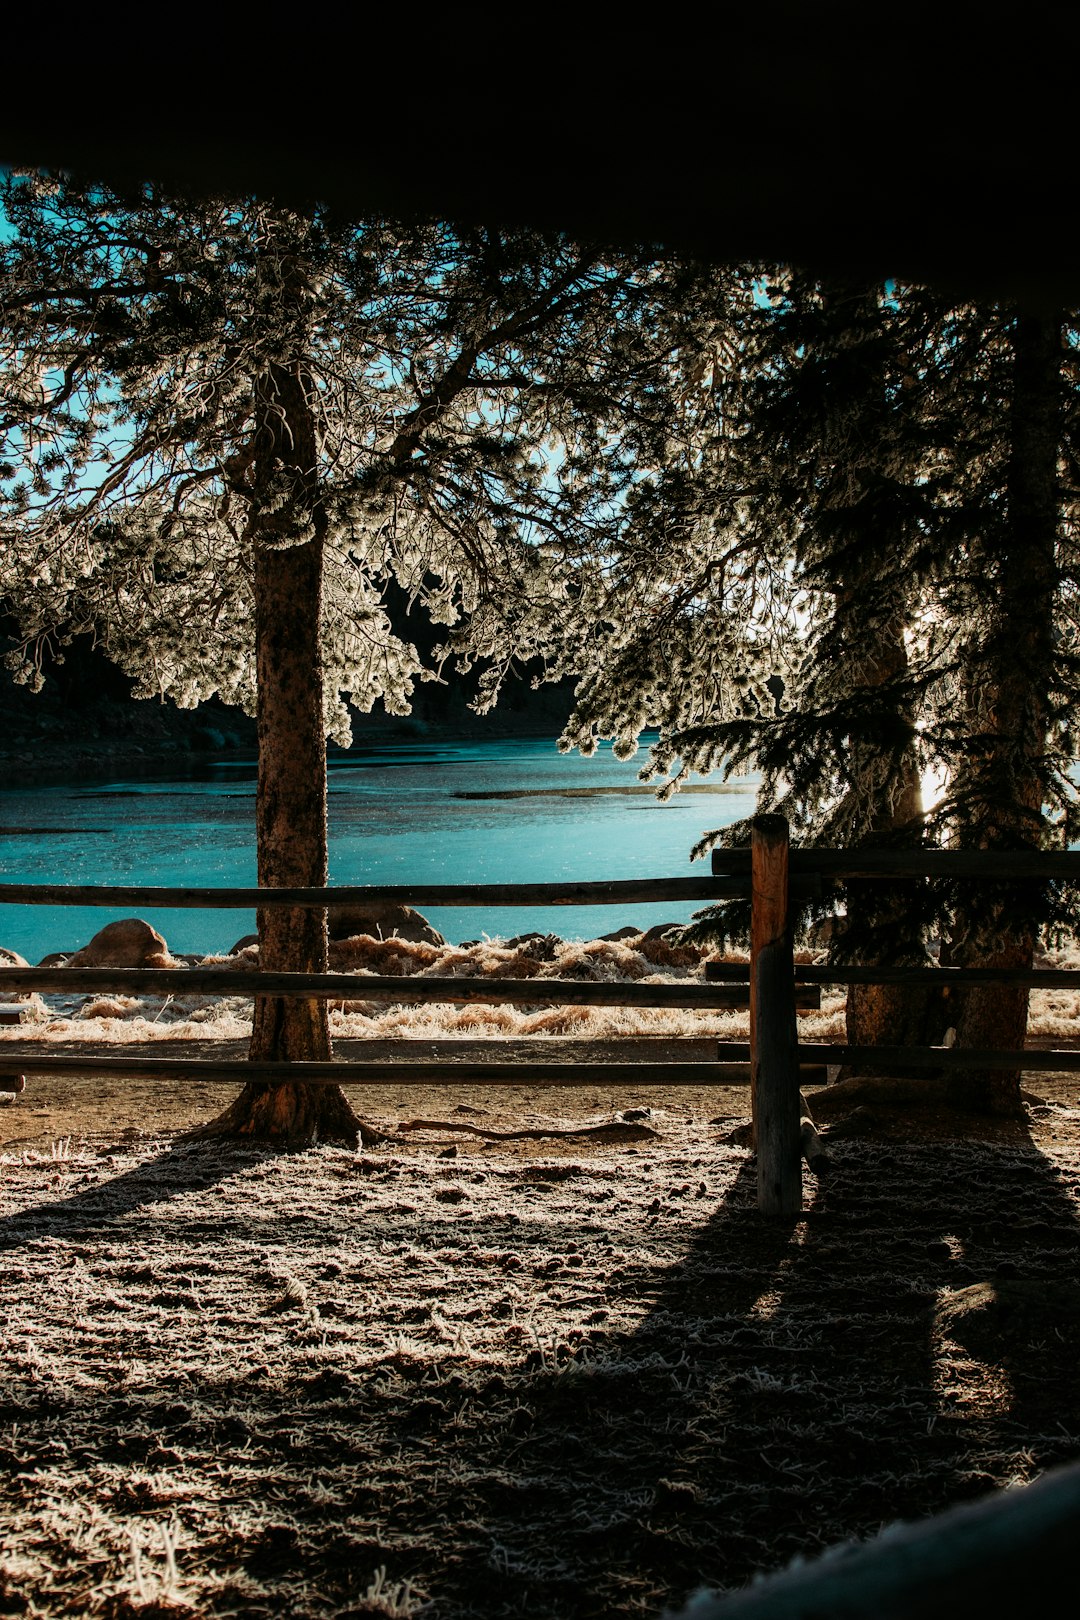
(511, 810)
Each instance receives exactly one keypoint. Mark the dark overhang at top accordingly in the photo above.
(912, 141)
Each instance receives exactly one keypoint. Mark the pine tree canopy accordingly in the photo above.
(821, 527)
(459, 387)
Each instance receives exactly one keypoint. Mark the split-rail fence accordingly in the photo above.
(775, 1062)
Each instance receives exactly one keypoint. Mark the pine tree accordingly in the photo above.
(229, 424)
(834, 419)
(760, 596)
(859, 572)
(1002, 394)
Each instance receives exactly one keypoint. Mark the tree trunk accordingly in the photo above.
(1009, 710)
(291, 837)
(891, 1014)
(290, 810)
(867, 508)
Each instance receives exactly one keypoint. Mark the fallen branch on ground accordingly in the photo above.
(616, 1131)
(812, 1147)
(890, 1090)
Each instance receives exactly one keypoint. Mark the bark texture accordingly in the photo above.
(891, 1014)
(290, 812)
(292, 853)
(291, 796)
(867, 513)
(1009, 708)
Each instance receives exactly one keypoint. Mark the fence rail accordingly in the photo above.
(396, 987)
(776, 989)
(1043, 864)
(617, 891)
(379, 1072)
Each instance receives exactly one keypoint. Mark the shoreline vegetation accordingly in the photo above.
(629, 957)
(84, 724)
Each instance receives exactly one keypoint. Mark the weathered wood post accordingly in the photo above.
(774, 1070)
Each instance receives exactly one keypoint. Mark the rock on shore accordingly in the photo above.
(382, 919)
(127, 943)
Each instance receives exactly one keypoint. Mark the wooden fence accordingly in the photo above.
(774, 1061)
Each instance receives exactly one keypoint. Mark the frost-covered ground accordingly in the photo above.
(541, 1374)
(565, 1376)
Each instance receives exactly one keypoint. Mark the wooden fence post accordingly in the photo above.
(774, 1086)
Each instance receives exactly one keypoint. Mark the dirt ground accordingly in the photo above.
(547, 1376)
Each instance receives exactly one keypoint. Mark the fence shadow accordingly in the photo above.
(798, 1382)
(792, 1382)
(180, 1169)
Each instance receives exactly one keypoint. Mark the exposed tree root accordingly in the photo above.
(902, 1091)
(895, 1106)
(617, 1131)
(291, 1115)
(892, 1091)
(812, 1148)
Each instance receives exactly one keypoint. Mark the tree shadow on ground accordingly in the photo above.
(784, 1385)
(794, 1384)
(180, 1169)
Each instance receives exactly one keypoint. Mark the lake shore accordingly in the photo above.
(116, 745)
(83, 725)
